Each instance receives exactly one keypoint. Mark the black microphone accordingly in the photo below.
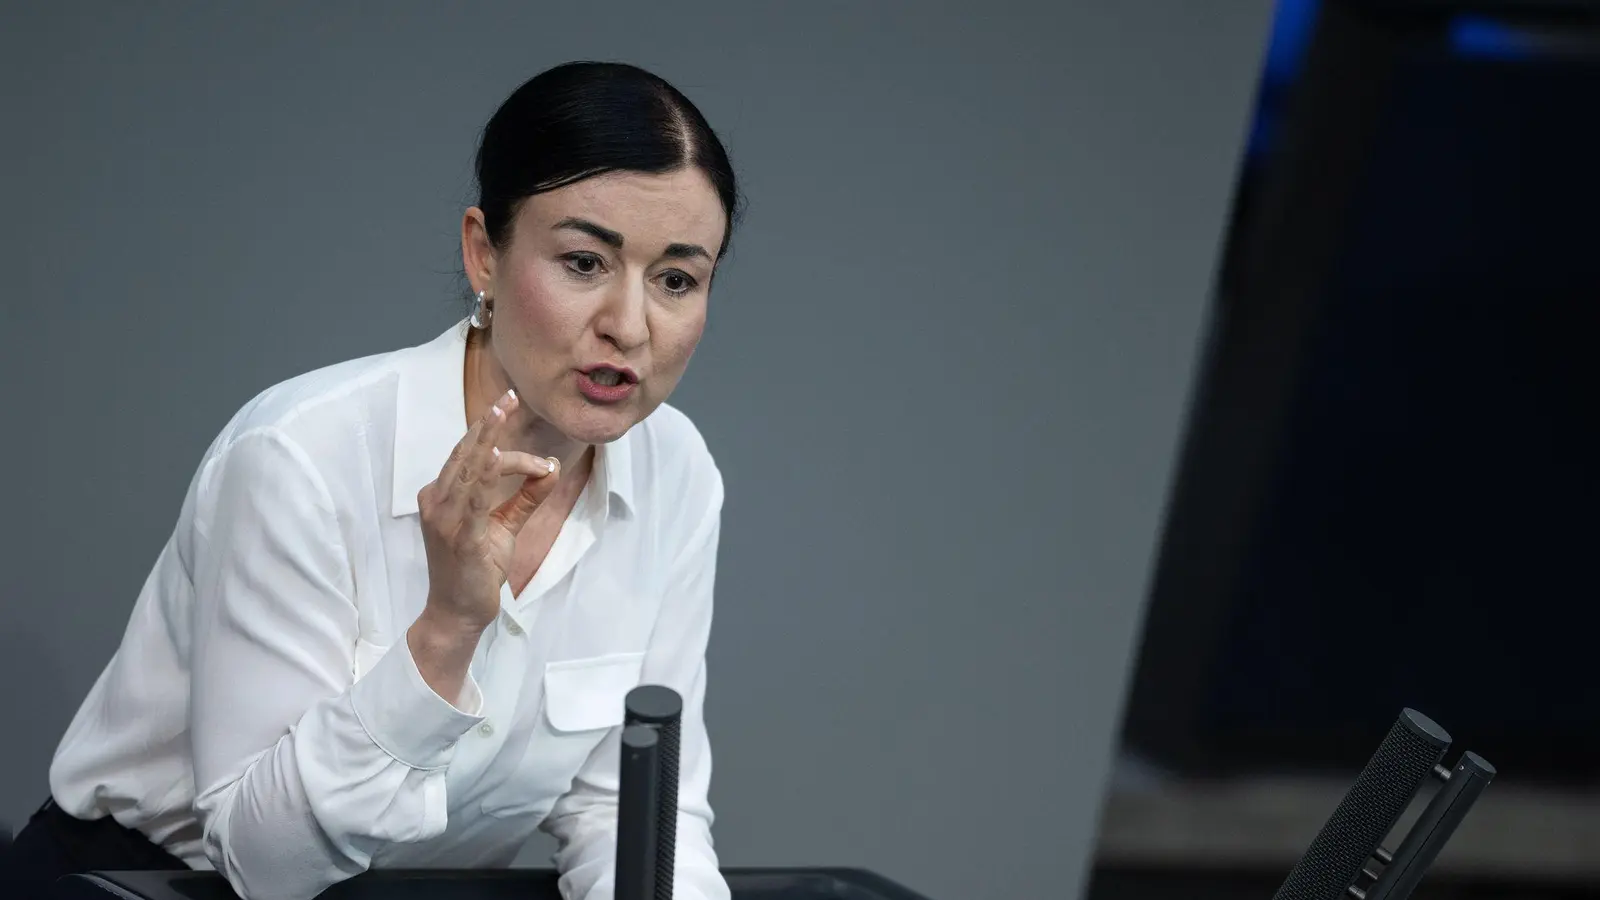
(1380, 795)
(1432, 829)
(636, 814)
(660, 708)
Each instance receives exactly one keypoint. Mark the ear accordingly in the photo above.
(477, 253)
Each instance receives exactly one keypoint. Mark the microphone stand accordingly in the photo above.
(1335, 866)
(1374, 803)
(1421, 845)
(647, 805)
(636, 814)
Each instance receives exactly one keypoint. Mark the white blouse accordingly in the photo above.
(263, 715)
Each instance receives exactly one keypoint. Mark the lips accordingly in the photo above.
(611, 376)
(607, 384)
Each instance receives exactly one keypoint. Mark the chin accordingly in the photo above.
(599, 425)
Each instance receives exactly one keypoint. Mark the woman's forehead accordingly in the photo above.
(647, 208)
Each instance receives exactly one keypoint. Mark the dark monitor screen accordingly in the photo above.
(1430, 504)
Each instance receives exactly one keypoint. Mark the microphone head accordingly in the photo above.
(1476, 765)
(1424, 728)
(652, 704)
(640, 737)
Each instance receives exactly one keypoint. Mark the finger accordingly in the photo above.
(515, 462)
(474, 438)
(458, 454)
(475, 475)
(514, 513)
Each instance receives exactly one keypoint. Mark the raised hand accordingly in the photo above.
(469, 540)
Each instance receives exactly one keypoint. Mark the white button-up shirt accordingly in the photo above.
(263, 715)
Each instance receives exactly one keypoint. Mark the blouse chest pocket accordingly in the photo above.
(584, 701)
(586, 694)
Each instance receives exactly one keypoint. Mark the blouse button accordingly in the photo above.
(486, 730)
(514, 629)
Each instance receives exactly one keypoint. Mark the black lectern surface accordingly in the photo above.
(502, 884)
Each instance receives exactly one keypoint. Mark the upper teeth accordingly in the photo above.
(607, 377)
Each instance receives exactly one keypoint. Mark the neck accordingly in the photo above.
(484, 381)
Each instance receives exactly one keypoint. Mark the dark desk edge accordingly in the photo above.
(155, 885)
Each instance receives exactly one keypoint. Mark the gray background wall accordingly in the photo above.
(945, 374)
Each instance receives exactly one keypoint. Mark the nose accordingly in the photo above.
(623, 321)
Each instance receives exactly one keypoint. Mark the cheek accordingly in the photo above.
(544, 315)
(679, 340)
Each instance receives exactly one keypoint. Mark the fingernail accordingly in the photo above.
(511, 394)
(551, 462)
(499, 413)
(495, 451)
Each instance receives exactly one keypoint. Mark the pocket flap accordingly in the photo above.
(585, 694)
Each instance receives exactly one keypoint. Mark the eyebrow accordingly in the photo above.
(614, 239)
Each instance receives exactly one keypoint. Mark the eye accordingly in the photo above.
(677, 282)
(584, 264)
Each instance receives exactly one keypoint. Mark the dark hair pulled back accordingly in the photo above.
(582, 119)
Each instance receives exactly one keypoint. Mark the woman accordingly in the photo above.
(374, 641)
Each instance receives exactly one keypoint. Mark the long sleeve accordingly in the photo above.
(584, 821)
(301, 771)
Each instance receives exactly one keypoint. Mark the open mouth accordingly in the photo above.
(608, 377)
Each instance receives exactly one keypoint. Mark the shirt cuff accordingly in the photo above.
(404, 716)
